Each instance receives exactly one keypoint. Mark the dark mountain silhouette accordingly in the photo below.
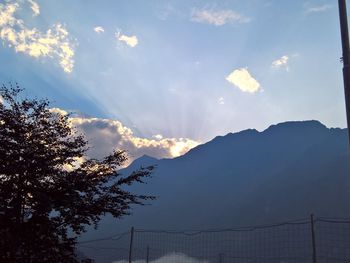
(143, 161)
(286, 172)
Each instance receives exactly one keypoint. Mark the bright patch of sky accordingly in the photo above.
(161, 69)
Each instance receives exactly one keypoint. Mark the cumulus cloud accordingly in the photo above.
(35, 7)
(281, 62)
(131, 41)
(106, 135)
(99, 29)
(243, 80)
(217, 17)
(173, 257)
(55, 43)
(318, 9)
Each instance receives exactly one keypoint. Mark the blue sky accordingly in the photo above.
(158, 77)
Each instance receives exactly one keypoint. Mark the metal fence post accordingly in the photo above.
(314, 255)
(131, 240)
(147, 256)
(346, 57)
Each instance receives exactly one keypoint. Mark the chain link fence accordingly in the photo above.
(314, 240)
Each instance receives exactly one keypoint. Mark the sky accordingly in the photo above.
(160, 77)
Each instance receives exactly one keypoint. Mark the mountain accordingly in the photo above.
(285, 172)
(144, 161)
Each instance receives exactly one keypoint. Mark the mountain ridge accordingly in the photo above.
(287, 171)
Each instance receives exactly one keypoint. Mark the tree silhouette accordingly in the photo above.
(48, 187)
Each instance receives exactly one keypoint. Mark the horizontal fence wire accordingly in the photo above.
(287, 242)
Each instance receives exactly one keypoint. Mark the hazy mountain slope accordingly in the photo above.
(285, 172)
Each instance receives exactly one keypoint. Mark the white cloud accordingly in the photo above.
(6, 14)
(221, 100)
(317, 9)
(173, 257)
(55, 43)
(166, 11)
(99, 29)
(131, 41)
(281, 62)
(243, 80)
(35, 7)
(217, 17)
(158, 136)
(58, 111)
(106, 135)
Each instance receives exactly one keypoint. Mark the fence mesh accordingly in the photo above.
(286, 242)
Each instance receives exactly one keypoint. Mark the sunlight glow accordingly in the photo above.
(106, 135)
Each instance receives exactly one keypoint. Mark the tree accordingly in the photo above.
(48, 187)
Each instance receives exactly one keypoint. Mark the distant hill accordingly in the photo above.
(288, 171)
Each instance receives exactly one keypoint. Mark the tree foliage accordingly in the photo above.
(48, 187)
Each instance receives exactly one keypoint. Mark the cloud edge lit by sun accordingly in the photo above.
(106, 135)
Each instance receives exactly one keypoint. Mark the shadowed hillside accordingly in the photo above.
(247, 178)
